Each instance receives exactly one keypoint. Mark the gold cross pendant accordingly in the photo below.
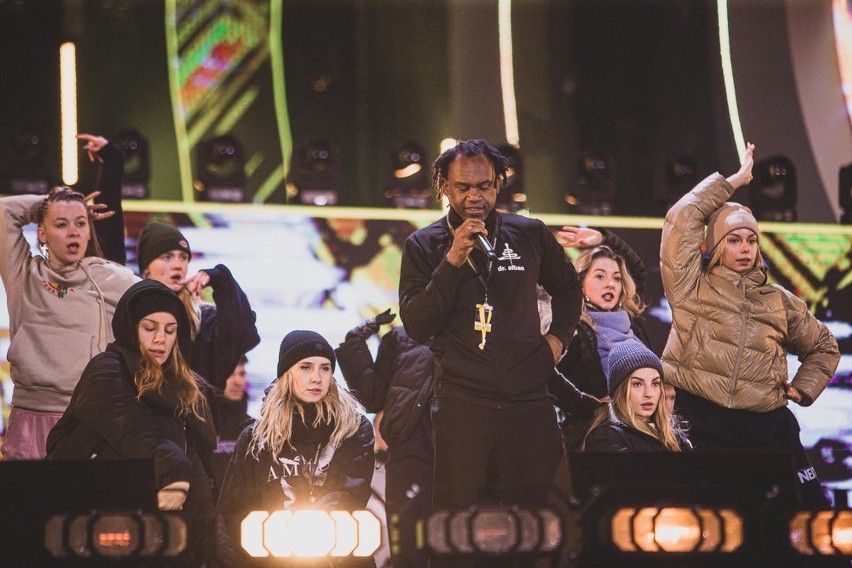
(485, 311)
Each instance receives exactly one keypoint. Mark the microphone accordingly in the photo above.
(482, 244)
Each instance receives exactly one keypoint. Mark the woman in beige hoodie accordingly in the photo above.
(60, 302)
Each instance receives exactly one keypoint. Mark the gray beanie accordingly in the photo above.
(729, 217)
(624, 358)
(300, 344)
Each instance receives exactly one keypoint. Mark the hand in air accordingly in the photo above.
(579, 237)
(93, 145)
(97, 211)
(196, 283)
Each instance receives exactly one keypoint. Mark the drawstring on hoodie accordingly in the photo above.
(105, 323)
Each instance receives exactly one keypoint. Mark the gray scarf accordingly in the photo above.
(610, 328)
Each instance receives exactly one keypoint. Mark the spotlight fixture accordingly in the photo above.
(822, 533)
(409, 184)
(677, 529)
(115, 535)
(492, 531)
(773, 189)
(308, 533)
(28, 169)
(512, 197)
(220, 167)
(314, 177)
(683, 509)
(137, 167)
(594, 191)
(681, 176)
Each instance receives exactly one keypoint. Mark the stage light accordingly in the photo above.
(220, 167)
(68, 111)
(677, 529)
(28, 168)
(826, 533)
(447, 143)
(681, 176)
(492, 531)
(408, 184)
(594, 193)
(310, 533)
(512, 197)
(115, 535)
(314, 177)
(680, 509)
(844, 194)
(137, 167)
(773, 190)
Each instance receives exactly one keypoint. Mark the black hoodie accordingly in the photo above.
(107, 420)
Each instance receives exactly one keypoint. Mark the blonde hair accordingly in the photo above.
(620, 410)
(280, 408)
(150, 377)
(630, 301)
(190, 304)
(716, 257)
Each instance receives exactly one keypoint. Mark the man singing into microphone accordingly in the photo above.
(491, 411)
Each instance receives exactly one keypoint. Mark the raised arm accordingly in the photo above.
(559, 279)
(230, 333)
(683, 230)
(16, 212)
(110, 228)
(587, 237)
(368, 381)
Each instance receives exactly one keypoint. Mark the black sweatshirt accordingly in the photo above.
(438, 301)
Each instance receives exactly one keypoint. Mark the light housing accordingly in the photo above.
(822, 533)
(594, 191)
(314, 176)
(774, 192)
(408, 181)
(115, 534)
(492, 531)
(310, 533)
(512, 197)
(220, 169)
(677, 529)
(28, 164)
(137, 163)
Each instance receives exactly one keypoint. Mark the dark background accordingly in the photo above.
(636, 81)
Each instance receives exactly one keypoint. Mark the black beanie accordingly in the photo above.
(156, 239)
(143, 298)
(301, 344)
(624, 358)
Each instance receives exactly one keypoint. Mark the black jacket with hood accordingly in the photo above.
(107, 420)
(400, 381)
(439, 301)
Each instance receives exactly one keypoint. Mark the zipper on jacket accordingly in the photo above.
(743, 319)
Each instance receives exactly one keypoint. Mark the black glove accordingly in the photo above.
(371, 326)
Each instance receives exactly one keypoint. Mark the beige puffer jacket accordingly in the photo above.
(730, 331)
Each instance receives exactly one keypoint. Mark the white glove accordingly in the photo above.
(172, 496)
